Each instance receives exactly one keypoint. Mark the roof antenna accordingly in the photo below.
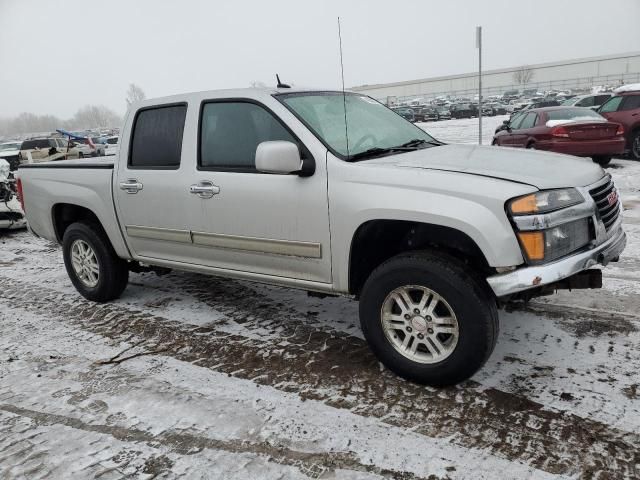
(344, 96)
(280, 84)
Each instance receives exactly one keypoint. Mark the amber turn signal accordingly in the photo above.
(528, 204)
(533, 244)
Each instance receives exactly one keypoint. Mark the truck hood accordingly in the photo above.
(543, 170)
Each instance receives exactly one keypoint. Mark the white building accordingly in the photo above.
(578, 73)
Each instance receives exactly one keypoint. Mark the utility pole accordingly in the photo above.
(479, 47)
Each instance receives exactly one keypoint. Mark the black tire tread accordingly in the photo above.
(459, 273)
(114, 272)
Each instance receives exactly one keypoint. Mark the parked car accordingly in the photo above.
(463, 110)
(570, 130)
(111, 146)
(510, 95)
(10, 151)
(590, 101)
(268, 185)
(11, 213)
(493, 108)
(624, 108)
(443, 113)
(430, 114)
(89, 149)
(46, 148)
(406, 113)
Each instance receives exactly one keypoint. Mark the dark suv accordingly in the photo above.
(624, 108)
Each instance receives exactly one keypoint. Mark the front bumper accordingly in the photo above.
(536, 276)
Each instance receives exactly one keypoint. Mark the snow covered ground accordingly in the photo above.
(198, 377)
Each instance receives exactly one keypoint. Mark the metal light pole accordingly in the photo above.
(479, 47)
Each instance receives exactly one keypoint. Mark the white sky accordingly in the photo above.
(58, 55)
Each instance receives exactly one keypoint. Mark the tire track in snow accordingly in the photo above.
(339, 370)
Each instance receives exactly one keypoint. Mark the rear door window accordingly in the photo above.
(157, 138)
(631, 102)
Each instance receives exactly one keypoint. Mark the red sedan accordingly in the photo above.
(571, 130)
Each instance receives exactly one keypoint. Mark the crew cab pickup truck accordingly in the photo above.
(271, 185)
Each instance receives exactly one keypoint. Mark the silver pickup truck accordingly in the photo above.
(335, 194)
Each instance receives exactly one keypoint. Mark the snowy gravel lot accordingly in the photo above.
(198, 377)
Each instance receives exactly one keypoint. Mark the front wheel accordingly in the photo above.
(92, 264)
(601, 160)
(428, 318)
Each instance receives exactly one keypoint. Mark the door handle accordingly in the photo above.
(204, 189)
(131, 185)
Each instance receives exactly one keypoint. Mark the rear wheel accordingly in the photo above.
(80, 155)
(92, 264)
(531, 146)
(635, 145)
(428, 318)
(603, 161)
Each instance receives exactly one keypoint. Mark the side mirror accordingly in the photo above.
(505, 122)
(278, 157)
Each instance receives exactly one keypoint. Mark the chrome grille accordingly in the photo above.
(608, 211)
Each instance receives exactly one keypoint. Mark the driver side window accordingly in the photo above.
(612, 105)
(230, 133)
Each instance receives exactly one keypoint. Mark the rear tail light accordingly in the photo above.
(20, 194)
(620, 130)
(560, 131)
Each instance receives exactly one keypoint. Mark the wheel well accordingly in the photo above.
(378, 240)
(64, 214)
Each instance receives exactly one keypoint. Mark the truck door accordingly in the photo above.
(250, 221)
(151, 201)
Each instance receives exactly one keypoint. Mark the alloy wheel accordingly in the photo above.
(419, 324)
(85, 263)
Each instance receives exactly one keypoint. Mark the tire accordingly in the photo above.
(602, 160)
(531, 146)
(464, 294)
(634, 144)
(112, 273)
(80, 155)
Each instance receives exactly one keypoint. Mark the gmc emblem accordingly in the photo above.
(613, 198)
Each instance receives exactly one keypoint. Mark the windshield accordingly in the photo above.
(9, 146)
(370, 125)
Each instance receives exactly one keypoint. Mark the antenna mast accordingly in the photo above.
(344, 96)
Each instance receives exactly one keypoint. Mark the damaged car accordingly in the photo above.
(11, 213)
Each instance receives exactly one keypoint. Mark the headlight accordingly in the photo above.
(545, 201)
(556, 242)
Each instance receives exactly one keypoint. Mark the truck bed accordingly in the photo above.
(51, 187)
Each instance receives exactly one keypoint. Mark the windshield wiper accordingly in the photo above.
(372, 152)
(405, 147)
(419, 141)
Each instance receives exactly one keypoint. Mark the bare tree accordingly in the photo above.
(92, 116)
(523, 75)
(134, 94)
